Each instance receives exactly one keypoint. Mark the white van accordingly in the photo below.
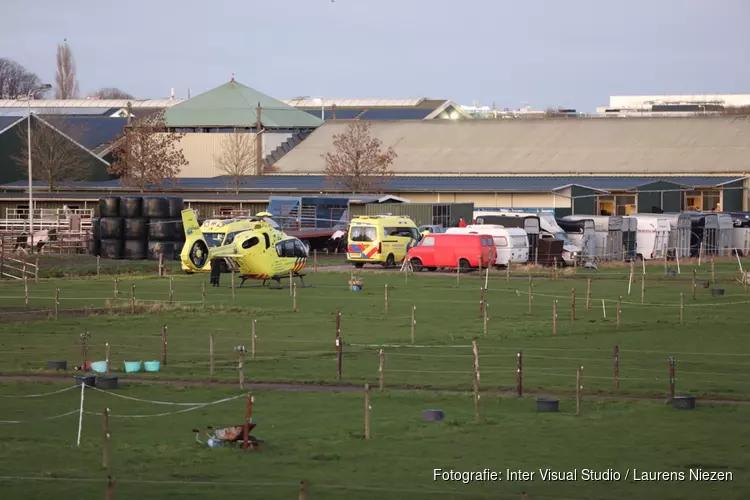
(652, 238)
(511, 243)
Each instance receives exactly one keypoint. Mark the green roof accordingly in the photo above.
(233, 105)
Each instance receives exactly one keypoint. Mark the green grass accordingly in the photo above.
(318, 437)
(710, 347)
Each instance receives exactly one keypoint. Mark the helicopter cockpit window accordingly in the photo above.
(291, 249)
(213, 239)
(250, 242)
(268, 240)
(231, 236)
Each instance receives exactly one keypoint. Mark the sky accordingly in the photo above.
(573, 53)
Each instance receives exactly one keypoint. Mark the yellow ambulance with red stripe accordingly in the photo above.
(380, 239)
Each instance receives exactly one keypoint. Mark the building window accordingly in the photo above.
(703, 201)
(441, 215)
(618, 204)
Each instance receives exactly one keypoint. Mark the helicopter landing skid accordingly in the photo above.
(277, 279)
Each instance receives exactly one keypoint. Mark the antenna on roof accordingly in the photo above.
(171, 93)
(232, 80)
(188, 93)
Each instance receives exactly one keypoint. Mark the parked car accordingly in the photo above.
(466, 251)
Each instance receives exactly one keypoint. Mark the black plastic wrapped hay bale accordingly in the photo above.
(717, 292)
(87, 380)
(545, 405)
(176, 206)
(135, 250)
(95, 247)
(112, 249)
(156, 247)
(112, 228)
(684, 402)
(106, 382)
(178, 245)
(136, 229)
(57, 365)
(131, 206)
(433, 415)
(109, 206)
(161, 230)
(156, 207)
(96, 232)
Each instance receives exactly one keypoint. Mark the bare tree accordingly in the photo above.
(66, 77)
(55, 158)
(237, 158)
(148, 152)
(359, 162)
(111, 93)
(15, 80)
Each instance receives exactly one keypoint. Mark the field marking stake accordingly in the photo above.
(671, 378)
(677, 258)
(588, 293)
(303, 490)
(519, 374)
(579, 388)
(254, 339)
(485, 319)
(619, 310)
(339, 347)
(105, 440)
(413, 323)
(572, 304)
(386, 300)
(294, 297)
(739, 262)
(481, 300)
(171, 289)
(80, 414)
(241, 365)
(57, 303)
(487, 277)
(616, 362)
(630, 277)
(476, 380)
(381, 370)
(25, 290)
(246, 425)
(211, 354)
(700, 254)
(368, 408)
(106, 358)
(164, 345)
(554, 318)
(682, 307)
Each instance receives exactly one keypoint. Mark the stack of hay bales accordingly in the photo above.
(138, 228)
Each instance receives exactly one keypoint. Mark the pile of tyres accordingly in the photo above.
(138, 228)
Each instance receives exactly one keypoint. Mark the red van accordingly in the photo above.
(449, 250)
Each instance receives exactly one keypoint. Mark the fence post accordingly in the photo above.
(643, 289)
(619, 310)
(106, 357)
(105, 440)
(481, 300)
(111, 488)
(339, 347)
(132, 298)
(36, 270)
(579, 387)
(211, 354)
(671, 378)
(531, 297)
(386, 300)
(253, 340)
(476, 380)
(164, 345)
(57, 303)
(572, 304)
(413, 323)
(116, 290)
(554, 317)
(588, 293)
(294, 297)
(246, 425)
(507, 272)
(25, 290)
(381, 370)
(171, 289)
(519, 374)
(303, 490)
(616, 360)
(233, 292)
(367, 411)
(485, 319)
(682, 307)
(203, 293)
(160, 270)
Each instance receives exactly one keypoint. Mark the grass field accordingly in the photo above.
(318, 437)
(710, 347)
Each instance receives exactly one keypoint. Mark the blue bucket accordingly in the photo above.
(99, 367)
(132, 366)
(151, 366)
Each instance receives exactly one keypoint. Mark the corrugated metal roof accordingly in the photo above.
(315, 102)
(89, 132)
(449, 184)
(7, 121)
(52, 111)
(646, 146)
(91, 103)
(233, 105)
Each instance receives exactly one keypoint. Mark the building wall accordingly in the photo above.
(272, 140)
(492, 200)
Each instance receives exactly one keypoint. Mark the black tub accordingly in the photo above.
(106, 382)
(88, 380)
(684, 402)
(547, 405)
(717, 292)
(433, 415)
(57, 365)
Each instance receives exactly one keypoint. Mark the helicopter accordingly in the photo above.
(261, 252)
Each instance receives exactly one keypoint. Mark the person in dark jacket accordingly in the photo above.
(215, 272)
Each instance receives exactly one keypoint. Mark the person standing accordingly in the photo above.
(215, 272)
(461, 222)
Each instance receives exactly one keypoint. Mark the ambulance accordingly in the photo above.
(380, 239)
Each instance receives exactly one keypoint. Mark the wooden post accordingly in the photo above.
(171, 289)
(233, 292)
(413, 323)
(339, 347)
(315, 261)
(241, 365)
(105, 440)
(694, 271)
(671, 378)
(519, 374)
(294, 297)
(36, 270)
(246, 425)
(160, 272)
(106, 357)
(98, 266)
(682, 308)
(485, 319)
(203, 293)
(616, 361)
(386, 300)
(554, 271)
(554, 317)
(254, 339)
(57, 303)
(507, 272)
(476, 380)
(531, 296)
(291, 275)
(211, 354)
(643, 289)
(303, 490)
(23, 272)
(579, 387)
(367, 411)
(588, 293)
(25, 291)
(481, 300)
(572, 304)
(116, 290)
(381, 370)
(619, 310)
(630, 277)
(132, 298)
(164, 346)
(111, 488)
(85, 347)
(713, 271)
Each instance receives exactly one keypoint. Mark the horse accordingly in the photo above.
(40, 238)
(337, 242)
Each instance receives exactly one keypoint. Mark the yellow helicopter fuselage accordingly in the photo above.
(256, 249)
